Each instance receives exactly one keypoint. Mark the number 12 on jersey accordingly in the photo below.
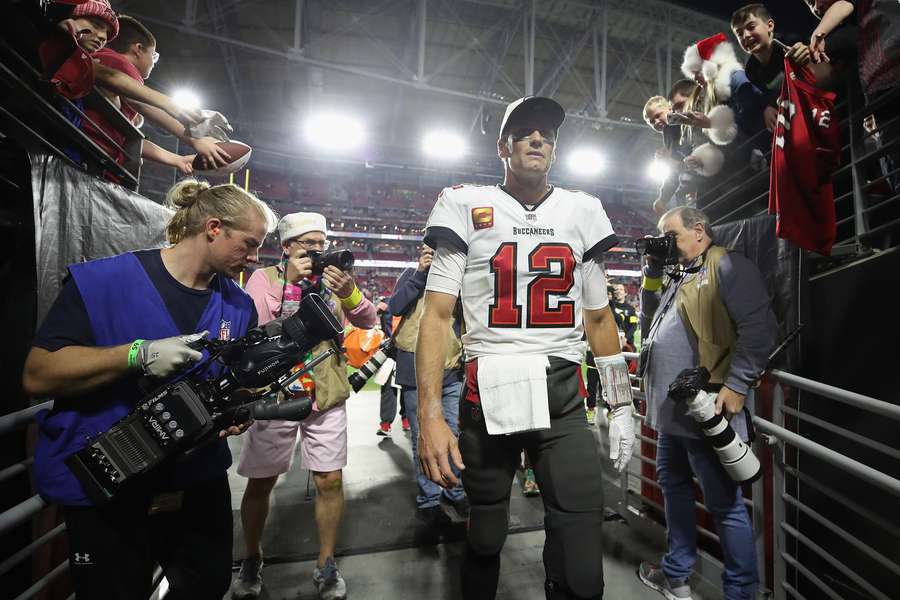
(506, 311)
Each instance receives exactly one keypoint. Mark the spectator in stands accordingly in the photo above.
(118, 325)
(678, 184)
(134, 53)
(726, 107)
(268, 449)
(715, 313)
(835, 16)
(407, 300)
(74, 72)
(754, 29)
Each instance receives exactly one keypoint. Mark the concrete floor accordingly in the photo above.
(418, 570)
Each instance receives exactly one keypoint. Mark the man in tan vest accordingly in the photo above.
(713, 312)
(407, 300)
(268, 449)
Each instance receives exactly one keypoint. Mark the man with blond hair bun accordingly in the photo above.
(121, 324)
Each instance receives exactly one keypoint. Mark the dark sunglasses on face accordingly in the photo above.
(521, 133)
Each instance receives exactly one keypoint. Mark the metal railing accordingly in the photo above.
(783, 502)
(744, 192)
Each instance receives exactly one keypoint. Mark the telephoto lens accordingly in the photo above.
(365, 372)
(739, 461)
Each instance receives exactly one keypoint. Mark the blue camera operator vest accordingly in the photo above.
(123, 305)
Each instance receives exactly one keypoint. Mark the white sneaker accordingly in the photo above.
(329, 582)
(249, 580)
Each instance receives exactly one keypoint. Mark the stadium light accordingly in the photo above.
(445, 145)
(334, 131)
(187, 99)
(586, 161)
(658, 170)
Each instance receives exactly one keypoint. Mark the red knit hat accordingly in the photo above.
(102, 10)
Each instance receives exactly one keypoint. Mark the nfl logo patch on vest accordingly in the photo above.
(483, 217)
(224, 330)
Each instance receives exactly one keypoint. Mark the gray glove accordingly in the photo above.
(163, 357)
(214, 125)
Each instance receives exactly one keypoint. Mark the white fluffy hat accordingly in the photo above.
(714, 57)
(296, 224)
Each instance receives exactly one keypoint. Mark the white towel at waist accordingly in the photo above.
(513, 392)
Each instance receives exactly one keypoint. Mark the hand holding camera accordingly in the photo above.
(302, 264)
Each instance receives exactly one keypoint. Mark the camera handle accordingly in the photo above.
(282, 386)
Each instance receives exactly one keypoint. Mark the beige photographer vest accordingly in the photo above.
(704, 314)
(330, 376)
(406, 338)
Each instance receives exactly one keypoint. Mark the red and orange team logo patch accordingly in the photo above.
(483, 217)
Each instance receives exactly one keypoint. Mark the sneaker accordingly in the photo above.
(673, 589)
(433, 516)
(530, 486)
(384, 430)
(406, 424)
(249, 580)
(329, 583)
(591, 414)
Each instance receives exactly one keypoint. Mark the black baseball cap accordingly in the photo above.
(539, 107)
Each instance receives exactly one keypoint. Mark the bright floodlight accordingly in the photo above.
(586, 161)
(186, 99)
(333, 131)
(658, 170)
(445, 145)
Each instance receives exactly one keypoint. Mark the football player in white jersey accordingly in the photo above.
(525, 257)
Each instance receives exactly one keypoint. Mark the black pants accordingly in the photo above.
(388, 411)
(113, 549)
(566, 461)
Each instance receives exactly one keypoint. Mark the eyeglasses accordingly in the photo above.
(313, 244)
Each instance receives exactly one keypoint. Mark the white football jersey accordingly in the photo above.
(522, 284)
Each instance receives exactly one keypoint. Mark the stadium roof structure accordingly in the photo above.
(406, 66)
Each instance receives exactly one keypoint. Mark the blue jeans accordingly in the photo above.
(677, 460)
(430, 492)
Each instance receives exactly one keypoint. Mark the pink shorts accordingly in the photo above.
(268, 449)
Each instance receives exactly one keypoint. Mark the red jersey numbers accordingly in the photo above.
(505, 311)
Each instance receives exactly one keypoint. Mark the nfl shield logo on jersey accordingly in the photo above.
(483, 217)
(224, 330)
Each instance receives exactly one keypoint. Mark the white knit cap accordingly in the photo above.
(296, 224)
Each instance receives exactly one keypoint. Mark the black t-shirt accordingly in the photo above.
(769, 77)
(67, 323)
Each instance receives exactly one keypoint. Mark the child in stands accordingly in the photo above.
(754, 29)
(133, 52)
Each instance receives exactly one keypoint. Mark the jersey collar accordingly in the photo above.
(522, 204)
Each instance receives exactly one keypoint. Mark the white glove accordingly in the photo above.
(214, 125)
(621, 436)
(163, 357)
(613, 372)
(702, 406)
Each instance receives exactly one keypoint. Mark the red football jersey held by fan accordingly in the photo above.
(806, 150)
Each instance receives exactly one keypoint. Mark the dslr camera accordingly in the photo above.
(342, 259)
(739, 461)
(662, 248)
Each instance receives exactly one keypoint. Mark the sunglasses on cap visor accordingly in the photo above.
(520, 133)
